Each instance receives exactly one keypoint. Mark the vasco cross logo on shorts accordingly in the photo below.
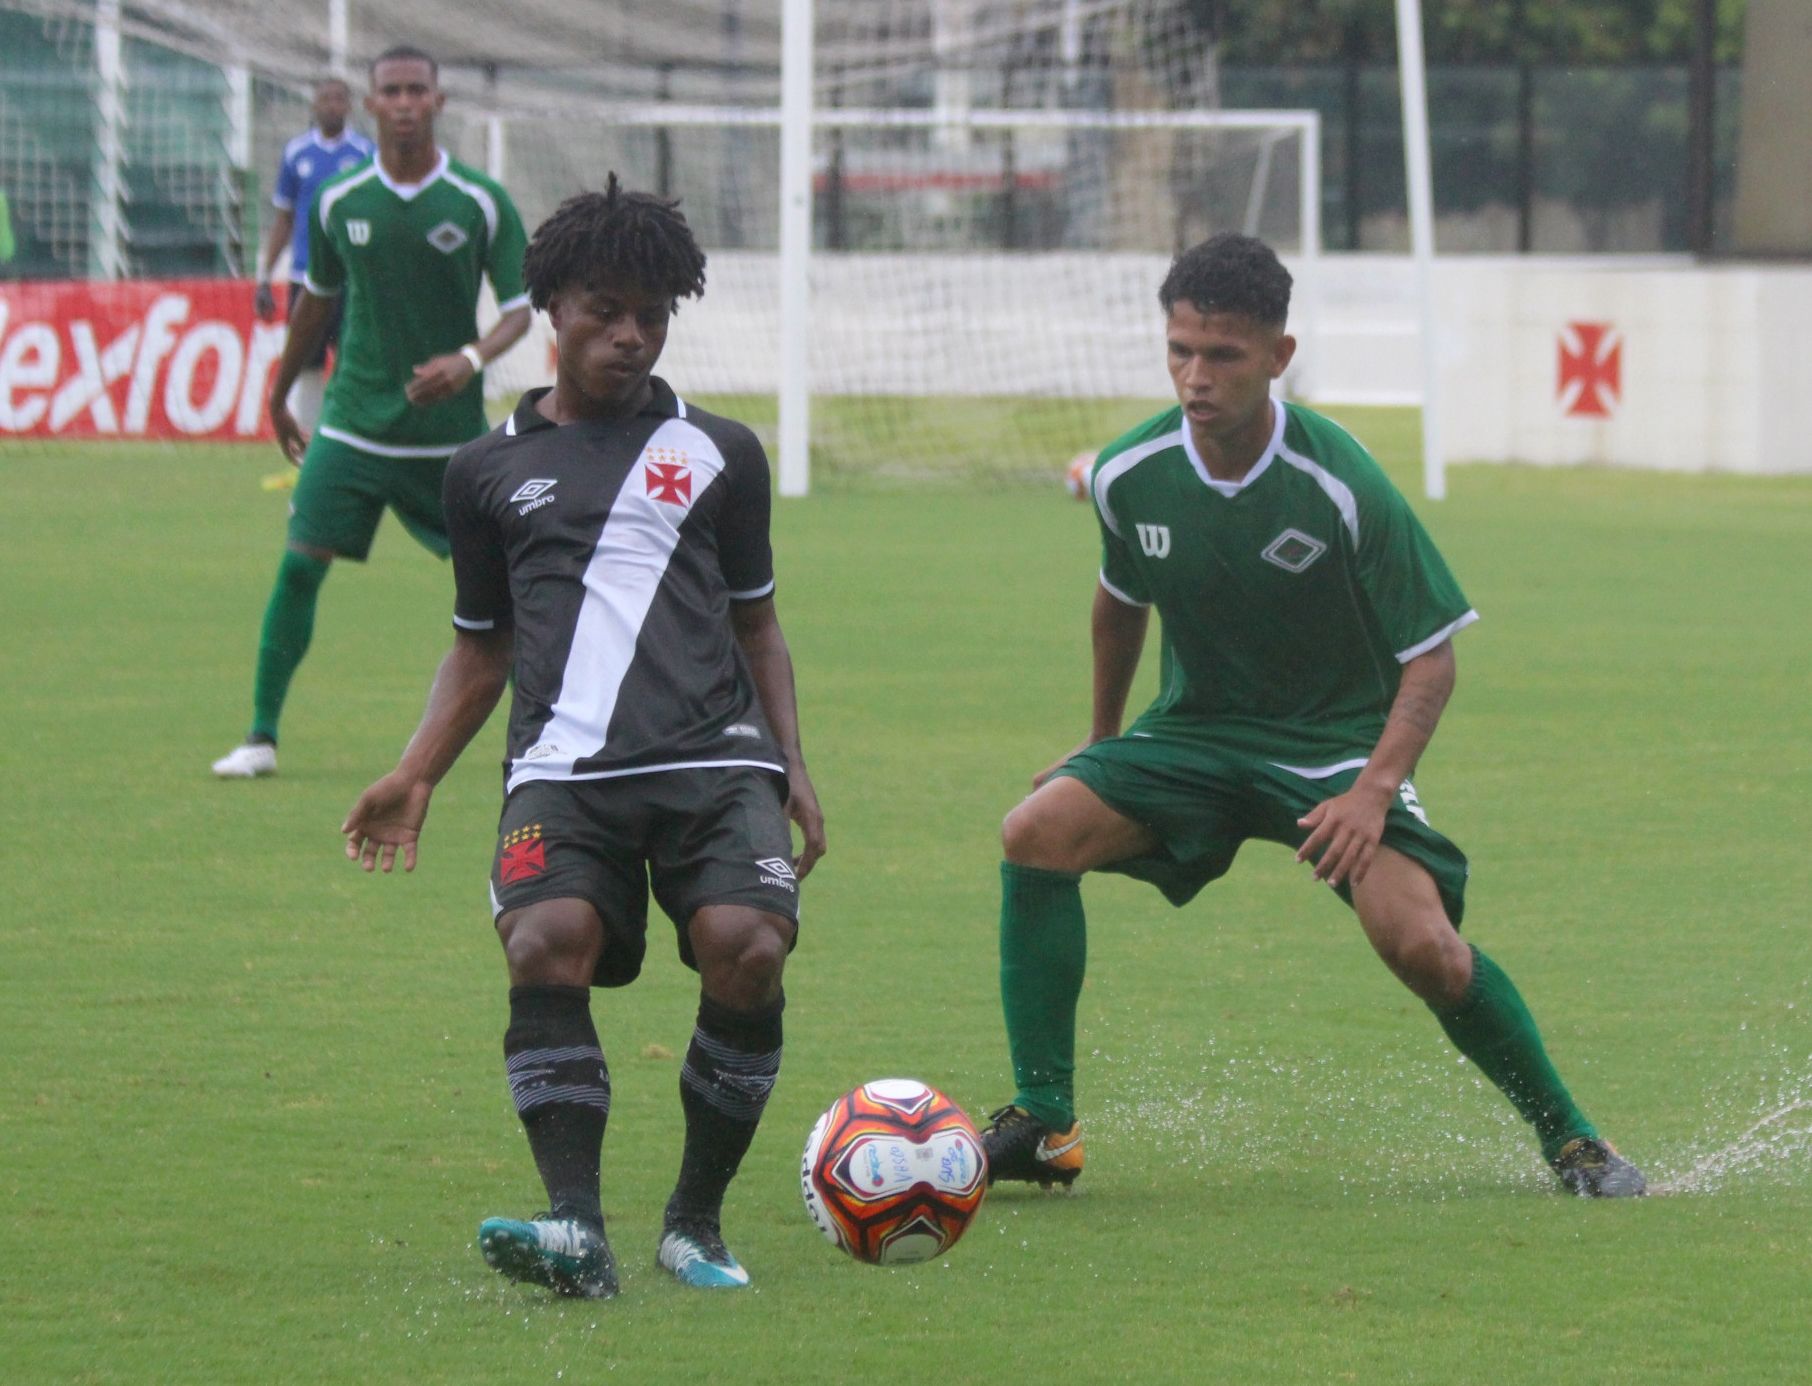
(524, 856)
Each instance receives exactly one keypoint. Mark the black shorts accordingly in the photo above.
(335, 312)
(701, 837)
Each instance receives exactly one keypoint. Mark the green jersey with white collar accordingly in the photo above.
(1289, 600)
(409, 259)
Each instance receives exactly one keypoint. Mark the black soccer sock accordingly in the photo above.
(562, 1090)
(730, 1069)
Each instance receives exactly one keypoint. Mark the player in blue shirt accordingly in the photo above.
(309, 160)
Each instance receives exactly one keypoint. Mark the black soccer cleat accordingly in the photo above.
(1592, 1168)
(1020, 1146)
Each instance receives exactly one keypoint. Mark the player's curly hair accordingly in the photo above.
(1230, 273)
(600, 240)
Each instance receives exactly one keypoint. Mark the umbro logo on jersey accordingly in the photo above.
(446, 238)
(1293, 550)
(1154, 540)
(535, 492)
(777, 871)
(358, 231)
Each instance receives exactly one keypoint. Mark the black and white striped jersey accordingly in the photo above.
(614, 550)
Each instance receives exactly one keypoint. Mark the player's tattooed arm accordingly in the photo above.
(1344, 831)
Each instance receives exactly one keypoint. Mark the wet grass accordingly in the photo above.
(252, 1107)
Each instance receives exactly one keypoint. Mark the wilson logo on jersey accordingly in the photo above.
(668, 475)
(446, 238)
(1155, 540)
(1293, 550)
(358, 231)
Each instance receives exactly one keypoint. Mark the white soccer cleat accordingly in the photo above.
(247, 762)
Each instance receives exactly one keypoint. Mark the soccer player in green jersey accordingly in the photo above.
(1307, 656)
(405, 239)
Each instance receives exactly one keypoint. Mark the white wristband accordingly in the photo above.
(471, 353)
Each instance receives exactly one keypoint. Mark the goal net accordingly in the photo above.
(983, 284)
(998, 186)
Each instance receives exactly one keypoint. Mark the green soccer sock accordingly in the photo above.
(1492, 1026)
(289, 622)
(1043, 950)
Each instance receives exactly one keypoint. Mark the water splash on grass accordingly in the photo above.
(1774, 1145)
(1414, 1125)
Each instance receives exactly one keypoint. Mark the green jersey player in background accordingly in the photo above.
(1307, 656)
(405, 241)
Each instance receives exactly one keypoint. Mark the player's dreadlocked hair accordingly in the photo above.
(1230, 273)
(598, 240)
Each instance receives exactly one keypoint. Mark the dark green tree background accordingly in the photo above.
(1459, 31)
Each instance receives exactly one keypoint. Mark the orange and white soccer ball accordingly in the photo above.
(893, 1172)
(1075, 476)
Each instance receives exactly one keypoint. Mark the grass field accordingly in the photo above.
(252, 1106)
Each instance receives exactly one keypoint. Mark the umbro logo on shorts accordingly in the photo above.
(535, 492)
(777, 871)
(1293, 550)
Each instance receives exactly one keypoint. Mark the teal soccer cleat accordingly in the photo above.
(569, 1257)
(696, 1254)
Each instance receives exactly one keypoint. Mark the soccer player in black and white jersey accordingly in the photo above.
(610, 546)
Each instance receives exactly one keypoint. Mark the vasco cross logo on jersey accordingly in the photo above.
(523, 855)
(667, 472)
(1293, 550)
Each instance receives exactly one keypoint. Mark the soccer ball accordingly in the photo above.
(893, 1172)
(1075, 476)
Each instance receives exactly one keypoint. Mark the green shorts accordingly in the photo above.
(1204, 801)
(342, 491)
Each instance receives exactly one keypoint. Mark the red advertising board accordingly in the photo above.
(179, 359)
